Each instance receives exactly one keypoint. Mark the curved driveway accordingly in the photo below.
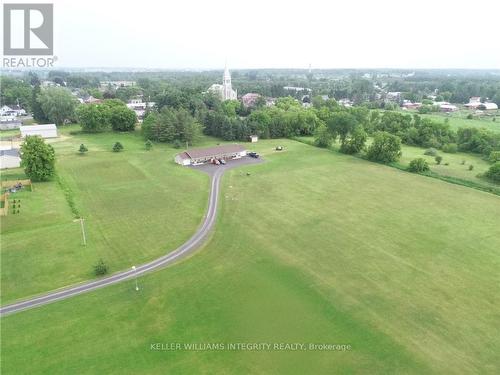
(185, 249)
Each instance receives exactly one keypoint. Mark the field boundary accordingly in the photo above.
(4, 198)
(68, 194)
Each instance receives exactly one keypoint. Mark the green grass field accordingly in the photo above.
(455, 168)
(137, 205)
(459, 120)
(312, 247)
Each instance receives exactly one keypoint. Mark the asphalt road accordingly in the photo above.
(182, 251)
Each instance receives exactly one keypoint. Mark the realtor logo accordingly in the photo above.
(28, 29)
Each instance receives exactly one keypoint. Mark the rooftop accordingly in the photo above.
(196, 153)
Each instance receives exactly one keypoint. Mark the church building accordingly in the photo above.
(225, 91)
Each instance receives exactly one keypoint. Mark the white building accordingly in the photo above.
(10, 158)
(13, 110)
(44, 131)
(225, 91)
(139, 107)
(9, 122)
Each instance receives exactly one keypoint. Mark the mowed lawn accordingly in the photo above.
(137, 205)
(311, 247)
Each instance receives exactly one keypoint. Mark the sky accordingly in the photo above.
(192, 34)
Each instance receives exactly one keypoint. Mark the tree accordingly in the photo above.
(323, 137)
(342, 124)
(385, 148)
(57, 104)
(438, 159)
(37, 158)
(355, 143)
(36, 107)
(418, 165)
(83, 149)
(100, 268)
(93, 118)
(117, 147)
(493, 172)
(122, 118)
(148, 144)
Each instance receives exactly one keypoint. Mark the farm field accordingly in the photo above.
(137, 205)
(311, 247)
(454, 169)
(459, 120)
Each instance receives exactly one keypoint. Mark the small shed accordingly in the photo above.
(44, 131)
(10, 158)
(253, 138)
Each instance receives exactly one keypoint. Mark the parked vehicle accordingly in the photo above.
(253, 155)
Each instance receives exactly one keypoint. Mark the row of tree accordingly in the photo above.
(110, 114)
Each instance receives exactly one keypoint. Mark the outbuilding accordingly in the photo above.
(10, 158)
(203, 155)
(44, 131)
(253, 138)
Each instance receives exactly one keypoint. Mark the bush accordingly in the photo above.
(177, 144)
(83, 149)
(450, 148)
(117, 147)
(385, 148)
(494, 156)
(463, 162)
(418, 165)
(471, 167)
(100, 268)
(469, 116)
(494, 172)
(431, 152)
(148, 144)
(438, 159)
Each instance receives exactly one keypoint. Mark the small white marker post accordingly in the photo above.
(135, 274)
(83, 232)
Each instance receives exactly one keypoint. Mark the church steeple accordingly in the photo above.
(226, 84)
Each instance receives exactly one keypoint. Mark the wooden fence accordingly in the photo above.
(4, 198)
(11, 183)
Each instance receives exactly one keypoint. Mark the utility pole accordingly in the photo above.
(83, 232)
(135, 275)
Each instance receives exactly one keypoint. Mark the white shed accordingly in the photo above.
(10, 158)
(44, 131)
